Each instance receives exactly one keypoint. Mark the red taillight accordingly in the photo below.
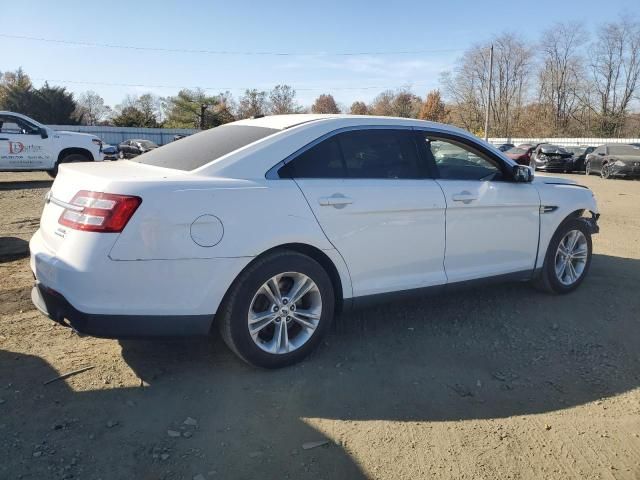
(99, 212)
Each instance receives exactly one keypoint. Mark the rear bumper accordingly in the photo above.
(57, 308)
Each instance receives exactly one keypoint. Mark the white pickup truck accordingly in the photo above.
(27, 145)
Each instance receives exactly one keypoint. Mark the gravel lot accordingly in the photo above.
(495, 383)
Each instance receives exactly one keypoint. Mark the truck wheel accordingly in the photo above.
(568, 258)
(71, 158)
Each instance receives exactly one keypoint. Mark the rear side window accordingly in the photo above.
(198, 150)
(624, 150)
(382, 154)
(320, 161)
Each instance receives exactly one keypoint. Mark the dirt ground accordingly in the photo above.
(501, 382)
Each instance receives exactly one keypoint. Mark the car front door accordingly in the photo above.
(22, 146)
(492, 222)
(370, 191)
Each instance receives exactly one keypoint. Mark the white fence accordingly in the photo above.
(564, 142)
(115, 135)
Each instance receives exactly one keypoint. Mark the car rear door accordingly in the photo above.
(492, 222)
(370, 191)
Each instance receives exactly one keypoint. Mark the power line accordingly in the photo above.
(224, 52)
(220, 89)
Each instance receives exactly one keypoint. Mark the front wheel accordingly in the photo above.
(587, 168)
(277, 310)
(568, 258)
(605, 171)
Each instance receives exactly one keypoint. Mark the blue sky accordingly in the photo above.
(442, 29)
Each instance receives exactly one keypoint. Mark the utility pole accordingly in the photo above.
(486, 114)
(203, 107)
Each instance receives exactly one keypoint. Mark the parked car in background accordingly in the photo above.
(550, 157)
(110, 152)
(134, 147)
(505, 146)
(522, 156)
(27, 145)
(614, 160)
(263, 228)
(580, 153)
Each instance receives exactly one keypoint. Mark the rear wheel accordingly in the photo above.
(277, 310)
(73, 157)
(568, 258)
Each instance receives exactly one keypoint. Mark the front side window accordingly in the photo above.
(359, 154)
(457, 161)
(14, 126)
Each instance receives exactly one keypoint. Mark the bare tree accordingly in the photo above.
(325, 103)
(399, 103)
(468, 84)
(615, 66)
(359, 108)
(253, 103)
(283, 100)
(560, 85)
(91, 109)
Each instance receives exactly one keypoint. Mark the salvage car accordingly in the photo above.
(521, 156)
(134, 147)
(551, 157)
(27, 145)
(265, 228)
(579, 156)
(614, 160)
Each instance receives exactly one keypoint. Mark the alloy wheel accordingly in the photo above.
(604, 171)
(571, 257)
(284, 313)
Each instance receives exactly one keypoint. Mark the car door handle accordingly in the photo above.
(336, 200)
(4, 139)
(464, 197)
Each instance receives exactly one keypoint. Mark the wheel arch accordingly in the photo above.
(550, 225)
(74, 150)
(330, 261)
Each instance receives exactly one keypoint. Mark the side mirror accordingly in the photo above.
(522, 173)
(43, 132)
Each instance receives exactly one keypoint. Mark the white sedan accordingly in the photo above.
(265, 228)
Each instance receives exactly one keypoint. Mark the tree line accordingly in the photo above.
(567, 84)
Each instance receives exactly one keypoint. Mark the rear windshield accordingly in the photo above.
(197, 150)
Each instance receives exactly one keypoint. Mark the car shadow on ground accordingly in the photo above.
(25, 185)
(13, 248)
(485, 353)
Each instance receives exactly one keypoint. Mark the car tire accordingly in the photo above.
(587, 168)
(121, 155)
(553, 278)
(71, 158)
(278, 337)
(605, 171)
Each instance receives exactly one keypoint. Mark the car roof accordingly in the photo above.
(284, 122)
